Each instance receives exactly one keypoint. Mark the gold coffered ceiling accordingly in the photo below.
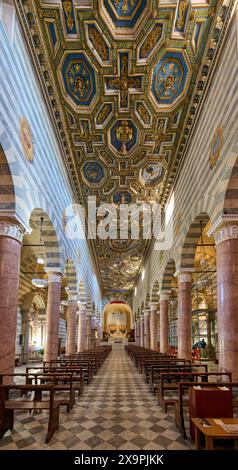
(124, 78)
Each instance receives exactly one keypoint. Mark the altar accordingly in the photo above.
(118, 337)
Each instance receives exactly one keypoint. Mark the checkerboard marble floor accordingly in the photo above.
(116, 411)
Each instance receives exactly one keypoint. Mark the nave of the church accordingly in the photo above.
(117, 410)
(118, 225)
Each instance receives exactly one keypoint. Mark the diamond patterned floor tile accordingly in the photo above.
(116, 411)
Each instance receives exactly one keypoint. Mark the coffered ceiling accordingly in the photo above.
(124, 79)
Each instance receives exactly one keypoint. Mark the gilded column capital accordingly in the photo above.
(224, 228)
(11, 230)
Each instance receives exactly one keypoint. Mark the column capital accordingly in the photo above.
(54, 276)
(11, 230)
(146, 312)
(165, 295)
(82, 308)
(184, 275)
(72, 295)
(224, 228)
(154, 305)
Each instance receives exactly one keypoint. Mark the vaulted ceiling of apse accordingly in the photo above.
(123, 79)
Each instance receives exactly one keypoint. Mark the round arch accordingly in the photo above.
(168, 276)
(115, 307)
(191, 241)
(8, 200)
(230, 205)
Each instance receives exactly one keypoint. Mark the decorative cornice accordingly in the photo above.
(11, 230)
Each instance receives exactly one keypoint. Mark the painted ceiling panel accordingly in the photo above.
(122, 72)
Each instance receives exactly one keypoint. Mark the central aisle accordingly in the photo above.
(117, 411)
(122, 413)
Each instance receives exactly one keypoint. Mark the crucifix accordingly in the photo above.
(124, 84)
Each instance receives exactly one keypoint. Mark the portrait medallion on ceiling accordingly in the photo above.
(93, 172)
(122, 197)
(152, 173)
(79, 79)
(124, 16)
(169, 79)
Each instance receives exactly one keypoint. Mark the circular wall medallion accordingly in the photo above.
(216, 146)
(26, 139)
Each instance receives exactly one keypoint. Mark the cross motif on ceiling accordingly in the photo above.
(122, 174)
(160, 138)
(87, 138)
(124, 84)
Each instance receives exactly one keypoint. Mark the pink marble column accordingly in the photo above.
(147, 329)
(185, 315)
(93, 331)
(88, 329)
(71, 323)
(142, 330)
(136, 331)
(153, 326)
(100, 330)
(164, 322)
(227, 298)
(82, 328)
(26, 318)
(52, 315)
(10, 254)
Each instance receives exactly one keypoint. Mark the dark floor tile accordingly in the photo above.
(25, 442)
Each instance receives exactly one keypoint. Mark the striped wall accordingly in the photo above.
(42, 184)
(199, 190)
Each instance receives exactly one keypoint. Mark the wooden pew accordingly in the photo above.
(155, 374)
(8, 405)
(170, 383)
(62, 382)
